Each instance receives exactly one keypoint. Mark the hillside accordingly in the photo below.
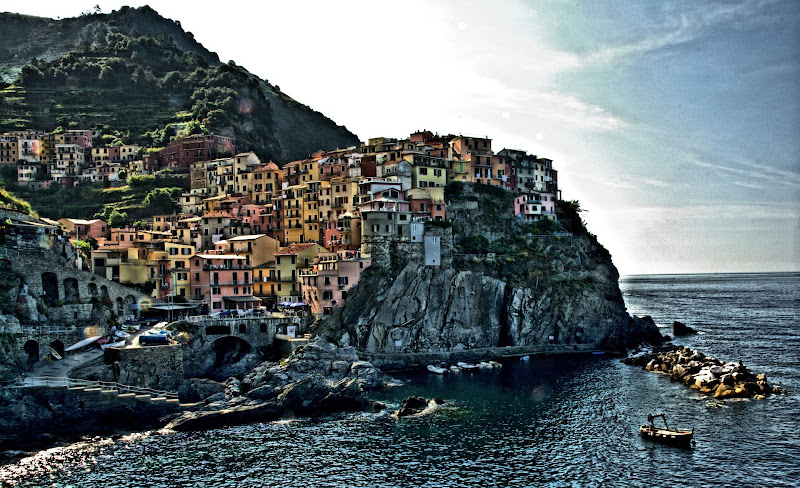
(142, 79)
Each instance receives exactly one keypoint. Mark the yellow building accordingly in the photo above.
(284, 285)
(427, 171)
(179, 280)
(293, 215)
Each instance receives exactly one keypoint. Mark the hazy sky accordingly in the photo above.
(675, 123)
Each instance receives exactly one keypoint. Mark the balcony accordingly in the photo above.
(232, 283)
(215, 267)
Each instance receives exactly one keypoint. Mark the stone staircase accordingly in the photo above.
(106, 388)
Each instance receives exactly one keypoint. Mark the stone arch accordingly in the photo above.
(72, 293)
(58, 347)
(129, 300)
(229, 350)
(50, 287)
(218, 330)
(242, 328)
(93, 289)
(263, 327)
(104, 292)
(31, 348)
(120, 306)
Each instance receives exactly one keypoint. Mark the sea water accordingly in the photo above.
(554, 421)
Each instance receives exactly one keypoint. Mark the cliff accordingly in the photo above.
(501, 283)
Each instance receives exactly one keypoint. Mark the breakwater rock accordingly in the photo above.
(317, 379)
(705, 374)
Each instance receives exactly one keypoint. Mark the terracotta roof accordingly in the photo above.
(217, 214)
(296, 248)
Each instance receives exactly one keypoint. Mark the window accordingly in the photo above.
(437, 172)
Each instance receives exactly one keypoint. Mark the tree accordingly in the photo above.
(117, 218)
(160, 200)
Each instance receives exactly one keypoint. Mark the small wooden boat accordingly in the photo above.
(82, 343)
(665, 435)
(436, 369)
(122, 334)
(112, 344)
(455, 369)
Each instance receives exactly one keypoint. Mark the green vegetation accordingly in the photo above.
(9, 200)
(144, 197)
(142, 89)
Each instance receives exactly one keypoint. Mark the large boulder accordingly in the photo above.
(318, 357)
(239, 415)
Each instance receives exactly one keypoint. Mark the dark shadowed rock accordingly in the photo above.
(681, 329)
(414, 405)
(214, 419)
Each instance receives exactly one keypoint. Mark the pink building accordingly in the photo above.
(326, 284)
(85, 229)
(535, 206)
(224, 281)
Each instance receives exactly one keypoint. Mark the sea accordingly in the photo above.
(560, 421)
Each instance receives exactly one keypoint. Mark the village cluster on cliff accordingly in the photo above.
(250, 233)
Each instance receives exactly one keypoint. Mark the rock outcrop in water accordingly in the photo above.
(523, 288)
(681, 329)
(707, 375)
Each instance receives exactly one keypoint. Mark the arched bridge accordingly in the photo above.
(256, 331)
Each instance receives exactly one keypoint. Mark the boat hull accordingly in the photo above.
(677, 438)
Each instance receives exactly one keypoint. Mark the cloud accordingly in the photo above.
(748, 185)
(709, 212)
(752, 171)
(556, 106)
(688, 21)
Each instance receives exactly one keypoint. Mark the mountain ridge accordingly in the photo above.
(136, 75)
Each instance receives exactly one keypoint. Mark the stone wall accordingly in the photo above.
(157, 367)
(67, 285)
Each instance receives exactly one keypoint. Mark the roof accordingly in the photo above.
(81, 221)
(217, 214)
(296, 248)
(246, 298)
(246, 238)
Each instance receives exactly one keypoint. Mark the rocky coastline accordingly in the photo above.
(705, 374)
(317, 379)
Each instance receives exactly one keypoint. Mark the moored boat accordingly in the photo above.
(665, 435)
(112, 344)
(436, 369)
(468, 368)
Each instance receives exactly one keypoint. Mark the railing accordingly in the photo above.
(222, 267)
(46, 330)
(232, 283)
(103, 385)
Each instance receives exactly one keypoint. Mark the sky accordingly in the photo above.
(675, 123)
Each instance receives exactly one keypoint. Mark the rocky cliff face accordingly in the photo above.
(534, 291)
